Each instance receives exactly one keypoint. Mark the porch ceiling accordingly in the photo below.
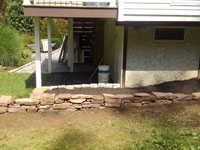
(70, 12)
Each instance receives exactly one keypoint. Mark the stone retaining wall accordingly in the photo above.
(42, 100)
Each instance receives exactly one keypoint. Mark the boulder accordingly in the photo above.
(16, 109)
(113, 101)
(27, 101)
(98, 97)
(125, 96)
(3, 110)
(97, 101)
(45, 107)
(160, 95)
(47, 99)
(59, 101)
(63, 96)
(82, 96)
(183, 97)
(37, 93)
(133, 104)
(86, 105)
(78, 100)
(196, 96)
(61, 106)
(6, 100)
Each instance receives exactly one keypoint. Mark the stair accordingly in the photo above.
(85, 28)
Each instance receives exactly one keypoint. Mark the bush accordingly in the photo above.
(12, 51)
(27, 39)
(55, 31)
(57, 41)
(17, 19)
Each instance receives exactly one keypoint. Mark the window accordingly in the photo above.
(170, 34)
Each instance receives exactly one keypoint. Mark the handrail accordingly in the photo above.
(112, 3)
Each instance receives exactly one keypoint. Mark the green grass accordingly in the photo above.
(18, 85)
(159, 128)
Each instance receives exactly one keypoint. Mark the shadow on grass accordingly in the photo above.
(72, 140)
(31, 81)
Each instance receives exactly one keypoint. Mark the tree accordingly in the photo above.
(17, 19)
(3, 6)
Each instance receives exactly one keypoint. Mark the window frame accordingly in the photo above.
(170, 41)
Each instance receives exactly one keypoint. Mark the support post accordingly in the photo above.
(37, 49)
(70, 45)
(49, 46)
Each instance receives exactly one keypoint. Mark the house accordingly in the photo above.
(145, 42)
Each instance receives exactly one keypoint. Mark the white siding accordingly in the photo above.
(159, 10)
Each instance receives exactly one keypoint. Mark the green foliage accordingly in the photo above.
(12, 51)
(55, 31)
(17, 19)
(57, 41)
(27, 39)
(3, 6)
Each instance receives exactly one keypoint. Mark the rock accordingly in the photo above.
(196, 96)
(85, 85)
(30, 108)
(76, 106)
(47, 99)
(109, 96)
(112, 105)
(77, 101)
(6, 100)
(127, 101)
(133, 104)
(160, 95)
(45, 107)
(163, 102)
(113, 101)
(59, 101)
(116, 86)
(101, 108)
(86, 105)
(63, 96)
(3, 110)
(71, 109)
(98, 97)
(101, 85)
(27, 101)
(145, 98)
(37, 92)
(61, 86)
(69, 87)
(125, 96)
(97, 101)
(175, 101)
(16, 109)
(75, 96)
(78, 86)
(95, 105)
(93, 85)
(109, 85)
(183, 97)
(14, 106)
(61, 106)
(142, 95)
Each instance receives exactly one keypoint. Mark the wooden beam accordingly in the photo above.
(147, 23)
(70, 45)
(49, 46)
(124, 57)
(37, 49)
(70, 12)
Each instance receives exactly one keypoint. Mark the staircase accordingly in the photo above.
(85, 30)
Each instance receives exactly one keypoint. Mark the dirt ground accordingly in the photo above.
(186, 86)
(92, 129)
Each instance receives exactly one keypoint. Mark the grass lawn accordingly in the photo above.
(167, 127)
(19, 85)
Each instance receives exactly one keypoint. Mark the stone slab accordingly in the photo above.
(27, 101)
(6, 100)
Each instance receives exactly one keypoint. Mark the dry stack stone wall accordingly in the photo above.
(42, 100)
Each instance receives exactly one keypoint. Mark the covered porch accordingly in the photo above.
(77, 12)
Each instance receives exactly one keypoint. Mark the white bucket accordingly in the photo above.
(103, 74)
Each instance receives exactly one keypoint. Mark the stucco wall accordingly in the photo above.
(150, 62)
(113, 48)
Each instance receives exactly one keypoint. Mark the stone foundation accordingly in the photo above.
(42, 100)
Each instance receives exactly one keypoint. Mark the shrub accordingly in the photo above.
(17, 19)
(55, 31)
(27, 39)
(62, 24)
(57, 41)
(12, 52)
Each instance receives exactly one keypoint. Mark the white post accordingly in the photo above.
(70, 45)
(37, 49)
(49, 46)
(26, 2)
